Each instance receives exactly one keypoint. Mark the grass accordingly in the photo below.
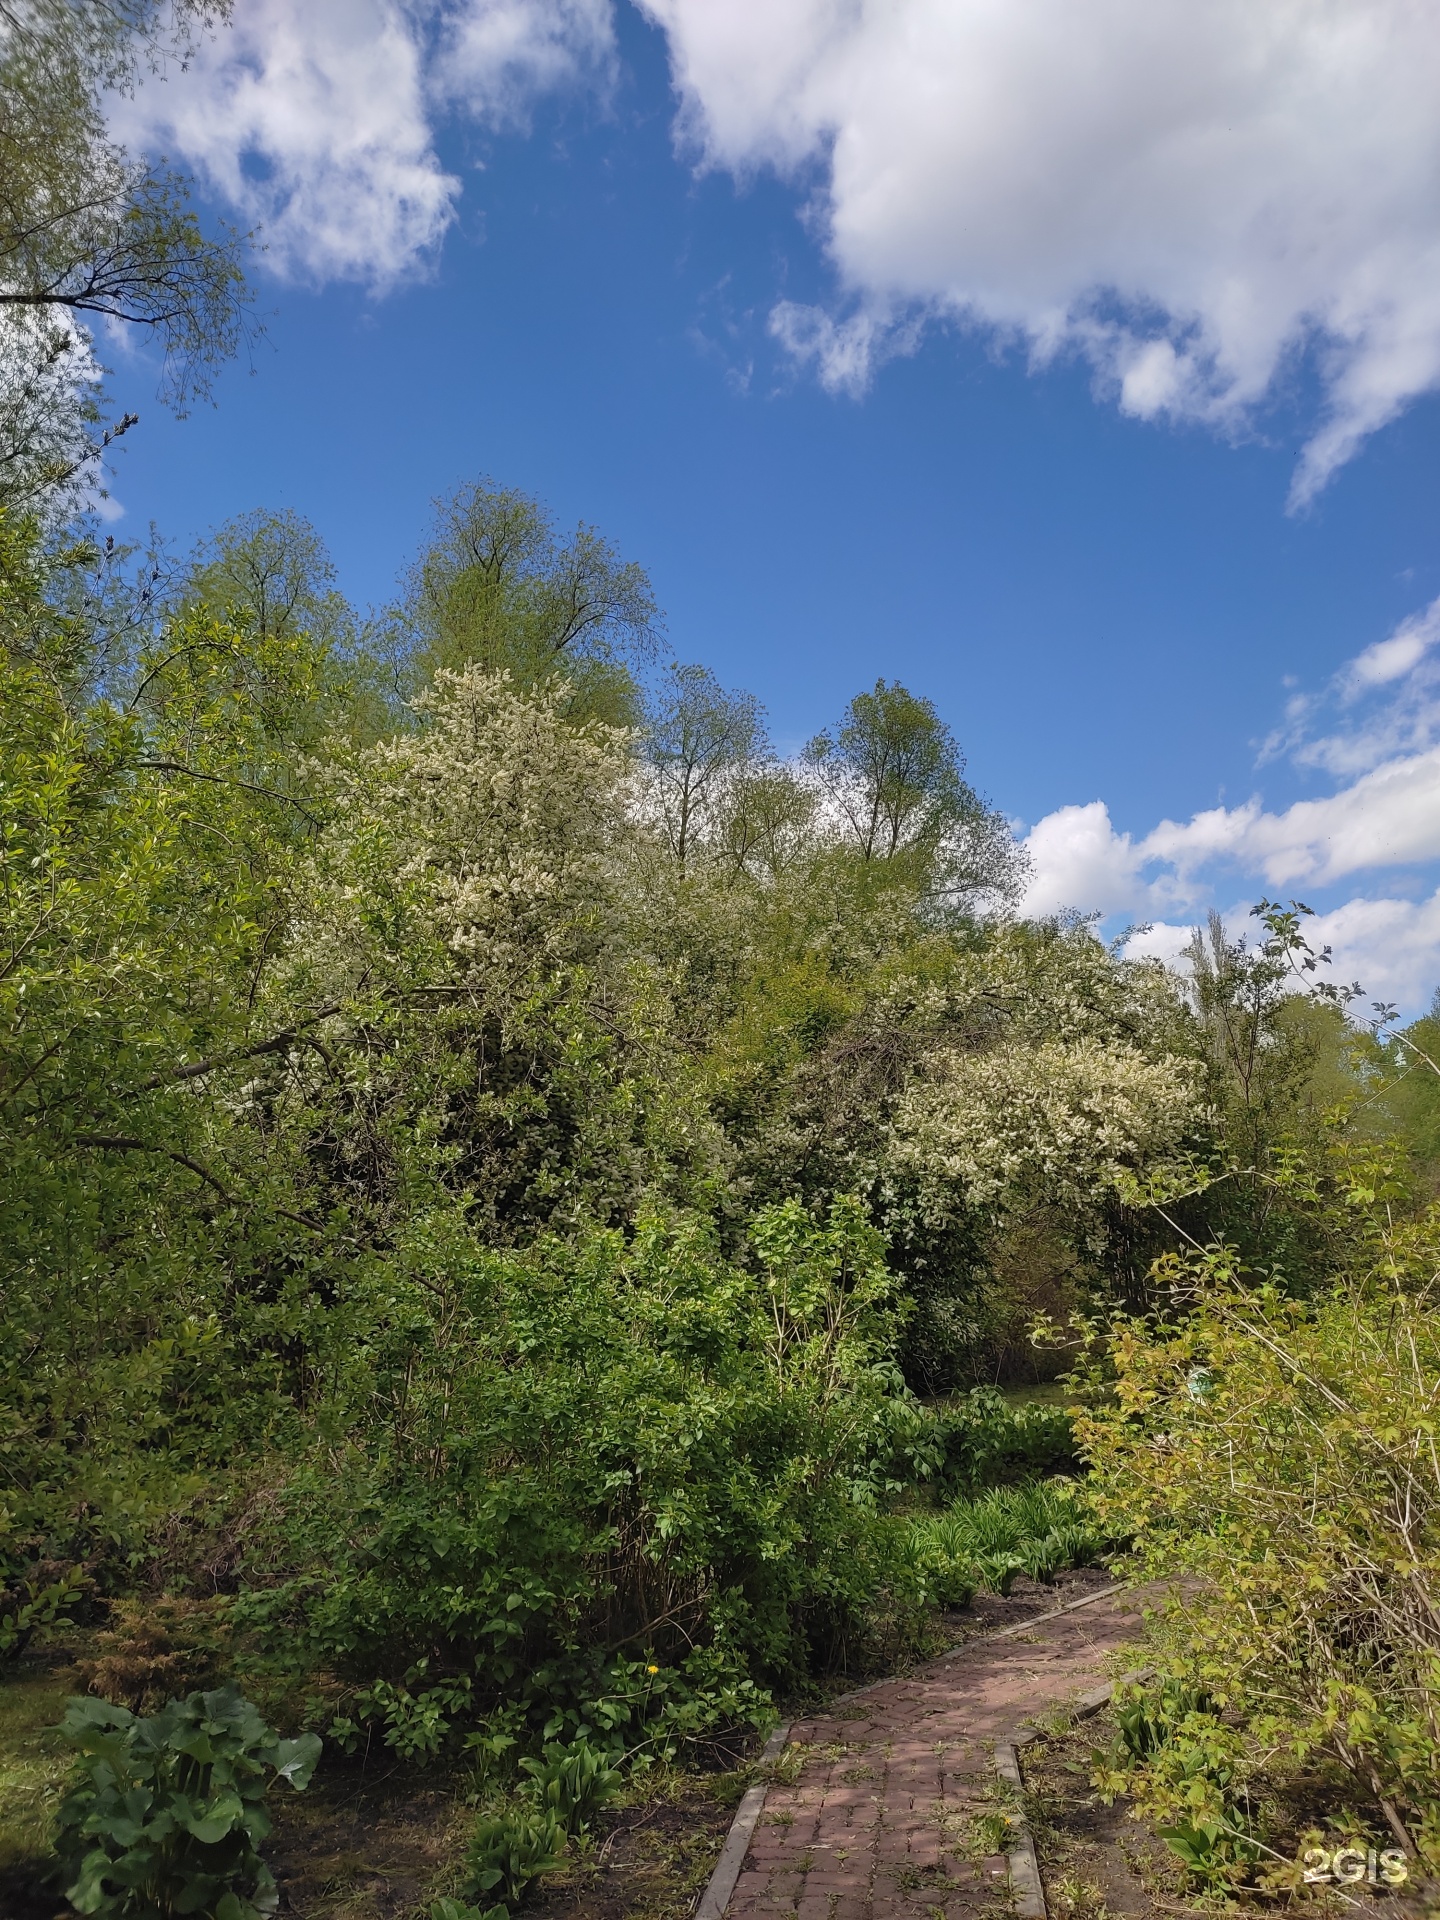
(33, 1765)
(1036, 1529)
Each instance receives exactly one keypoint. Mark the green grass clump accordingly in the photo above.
(1036, 1529)
(33, 1765)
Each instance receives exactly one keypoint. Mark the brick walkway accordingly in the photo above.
(874, 1827)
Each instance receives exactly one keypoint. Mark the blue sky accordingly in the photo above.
(695, 276)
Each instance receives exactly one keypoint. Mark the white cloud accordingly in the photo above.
(1391, 948)
(844, 353)
(310, 122)
(1390, 660)
(105, 507)
(1389, 817)
(1190, 195)
(1382, 704)
(497, 56)
(1384, 707)
(316, 122)
(1160, 940)
(1078, 860)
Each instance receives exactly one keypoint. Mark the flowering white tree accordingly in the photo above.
(474, 852)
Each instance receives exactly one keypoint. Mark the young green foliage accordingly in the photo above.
(1280, 1452)
(166, 1814)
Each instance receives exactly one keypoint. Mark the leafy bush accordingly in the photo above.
(34, 1596)
(1186, 1771)
(1281, 1454)
(987, 1441)
(616, 1441)
(165, 1814)
(509, 1850)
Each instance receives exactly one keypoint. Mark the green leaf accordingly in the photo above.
(294, 1760)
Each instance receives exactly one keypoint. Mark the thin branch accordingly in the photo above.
(277, 1043)
(124, 1143)
(225, 780)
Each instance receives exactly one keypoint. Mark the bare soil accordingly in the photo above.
(1094, 1860)
(379, 1844)
(352, 1848)
(650, 1861)
(1100, 1862)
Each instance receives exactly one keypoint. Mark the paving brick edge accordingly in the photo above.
(721, 1884)
(1027, 1884)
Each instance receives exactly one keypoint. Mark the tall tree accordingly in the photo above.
(895, 782)
(698, 736)
(499, 587)
(766, 822)
(269, 574)
(87, 229)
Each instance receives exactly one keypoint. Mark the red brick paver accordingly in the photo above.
(869, 1830)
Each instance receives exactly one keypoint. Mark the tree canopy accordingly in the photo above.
(894, 778)
(517, 1196)
(86, 230)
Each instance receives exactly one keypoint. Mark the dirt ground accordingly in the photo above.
(357, 1848)
(650, 1861)
(1095, 1860)
(1100, 1863)
(382, 1850)
(379, 1844)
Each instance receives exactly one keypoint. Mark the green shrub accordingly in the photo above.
(509, 1850)
(165, 1814)
(33, 1597)
(1279, 1455)
(1187, 1771)
(571, 1782)
(986, 1441)
(546, 1453)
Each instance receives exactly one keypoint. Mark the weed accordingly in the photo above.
(165, 1814)
(509, 1850)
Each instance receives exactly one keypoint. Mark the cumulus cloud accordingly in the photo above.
(1390, 947)
(498, 56)
(1190, 196)
(1376, 726)
(315, 123)
(1078, 861)
(311, 123)
(1390, 817)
